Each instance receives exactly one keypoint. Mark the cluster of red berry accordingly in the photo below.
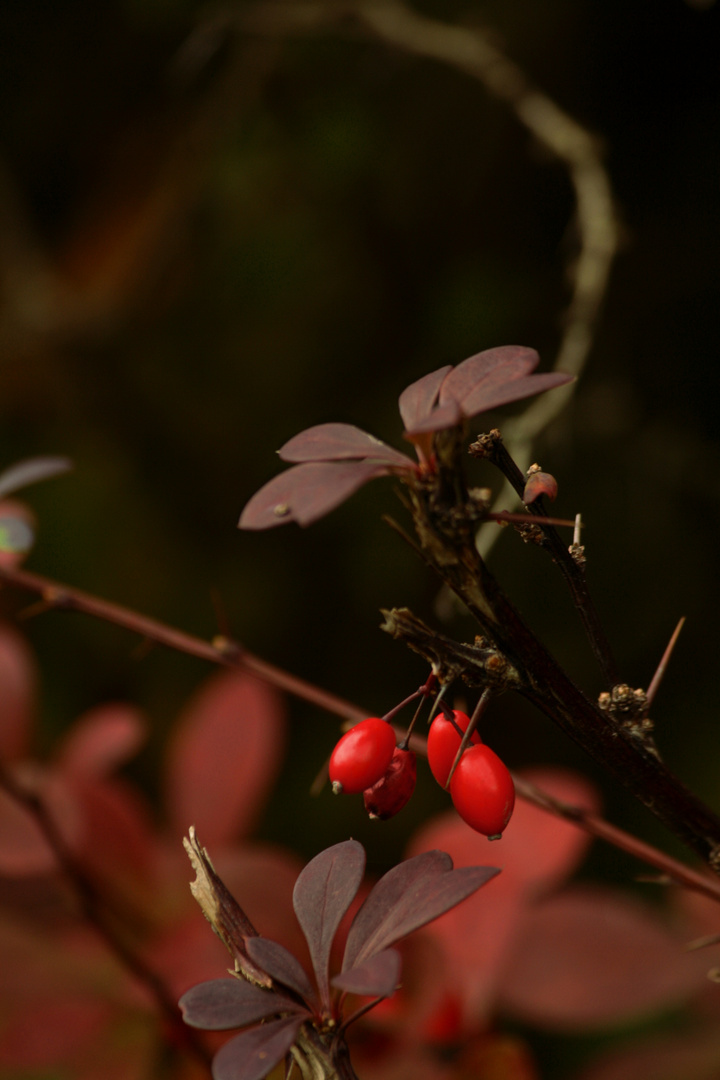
(367, 760)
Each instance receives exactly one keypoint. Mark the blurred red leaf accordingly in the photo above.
(592, 957)
(17, 682)
(338, 442)
(307, 492)
(23, 847)
(56, 1028)
(102, 740)
(536, 852)
(223, 757)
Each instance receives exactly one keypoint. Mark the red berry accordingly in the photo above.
(482, 791)
(393, 790)
(444, 742)
(361, 756)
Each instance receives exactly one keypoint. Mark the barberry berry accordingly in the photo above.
(361, 756)
(444, 742)
(393, 790)
(482, 791)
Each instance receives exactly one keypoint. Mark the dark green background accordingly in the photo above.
(332, 219)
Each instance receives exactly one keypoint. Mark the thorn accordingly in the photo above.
(576, 530)
(662, 666)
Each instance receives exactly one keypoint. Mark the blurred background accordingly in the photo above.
(212, 240)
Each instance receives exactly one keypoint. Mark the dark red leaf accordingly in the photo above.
(221, 1004)
(445, 416)
(487, 396)
(410, 895)
(501, 365)
(30, 471)
(339, 442)
(255, 1053)
(377, 977)
(307, 492)
(280, 964)
(323, 893)
(417, 400)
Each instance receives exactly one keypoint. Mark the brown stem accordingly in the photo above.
(219, 651)
(522, 663)
(492, 447)
(596, 826)
(452, 659)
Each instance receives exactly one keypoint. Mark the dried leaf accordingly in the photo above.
(377, 977)
(323, 893)
(221, 1004)
(222, 910)
(410, 895)
(255, 1053)
(31, 471)
(339, 442)
(417, 400)
(307, 492)
(280, 963)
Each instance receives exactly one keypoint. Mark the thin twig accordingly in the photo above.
(603, 830)
(92, 908)
(219, 651)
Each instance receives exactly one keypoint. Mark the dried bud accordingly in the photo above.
(540, 483)
(393, 790)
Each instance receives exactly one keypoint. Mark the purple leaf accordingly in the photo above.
(410, 895)
(338, 442)
(417, 400)
(307, 492)
(281, 965)
(502, 365)
(445, 416)
(490, 396)
(221, 1004)
(323, 892)
(30, 471)
(253, 1054)
(377, 977)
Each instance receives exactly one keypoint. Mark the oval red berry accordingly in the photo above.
(444, 742)
(482, 791)
(394, 788)
(362, 756)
